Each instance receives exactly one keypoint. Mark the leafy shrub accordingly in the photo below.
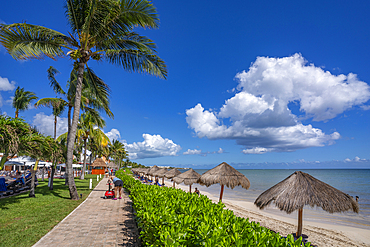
(173, 217)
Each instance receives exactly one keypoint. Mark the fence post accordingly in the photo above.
(97, 177)
(90, 187)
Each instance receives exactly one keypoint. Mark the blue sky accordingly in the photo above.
(263, 84)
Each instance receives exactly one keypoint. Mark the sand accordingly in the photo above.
(319, 234)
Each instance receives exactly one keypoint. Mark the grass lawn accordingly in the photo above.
(24, 220)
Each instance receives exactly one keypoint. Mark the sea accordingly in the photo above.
(355, 182)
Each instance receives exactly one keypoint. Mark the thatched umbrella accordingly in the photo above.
(300, 189)
(99, 162)
(160, 173)
(152, 170)
(189, 177)
(172, 173)
(224, 174)
(112, 165)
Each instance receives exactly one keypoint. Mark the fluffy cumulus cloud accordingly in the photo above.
(153, 146)
(5, 85)
(113, 134)
(45, 124)
(259, 114)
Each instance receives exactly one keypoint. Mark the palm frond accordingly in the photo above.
(138, 61)
(25, 41)
(53, 82)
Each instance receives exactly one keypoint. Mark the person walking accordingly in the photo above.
(117, 187)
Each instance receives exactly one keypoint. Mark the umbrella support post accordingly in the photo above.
(174, 184)
(222, 192)
(189, 188)
(299, 231)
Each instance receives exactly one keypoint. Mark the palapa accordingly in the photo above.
(301, 189)
(172, 173)
(188, 178)
(224, 174)
(160, 173)
(112, 165)
(152, 170)
(99, 162)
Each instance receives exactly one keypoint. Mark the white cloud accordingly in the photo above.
(153, 146)
(257, 150)
(45, 124)
(192, 152)
(220, 151)
(5, 85)
(319, 93)
(113, 134)
(258, 116)
(1, 101)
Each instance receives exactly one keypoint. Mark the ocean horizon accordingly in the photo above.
(355, 182)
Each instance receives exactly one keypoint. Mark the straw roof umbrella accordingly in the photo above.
(172, 173)
(188, 178)
(300, 189)
(112, 165)
(99, 162)
(224, 174)
(160, 173)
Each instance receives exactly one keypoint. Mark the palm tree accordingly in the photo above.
(89, 127)
(22, 100)
(95, 92)
(100, 30)
(117, 152)
(57, 105)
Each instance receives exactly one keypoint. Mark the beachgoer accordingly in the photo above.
(117, 187)
(357, 198)
(17, 175)
(196, 191)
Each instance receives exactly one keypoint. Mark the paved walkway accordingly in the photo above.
(96, 222)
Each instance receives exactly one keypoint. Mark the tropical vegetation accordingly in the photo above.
(22, 100)
(100, 30)
(173, 217)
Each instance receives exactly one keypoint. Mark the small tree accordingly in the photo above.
(22, 100)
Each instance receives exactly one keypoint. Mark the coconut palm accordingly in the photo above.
(100, 30)
(95, 92)
(117, 152)
(22, 99)
(89, 127)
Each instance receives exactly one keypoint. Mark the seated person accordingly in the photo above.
(196, 191)
(17, 175)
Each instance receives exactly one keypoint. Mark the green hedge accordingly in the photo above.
(172, 217)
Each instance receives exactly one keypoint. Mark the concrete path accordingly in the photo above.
(96, 222)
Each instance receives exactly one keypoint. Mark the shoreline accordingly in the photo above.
(319, 233)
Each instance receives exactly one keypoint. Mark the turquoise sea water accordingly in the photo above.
(355, 182)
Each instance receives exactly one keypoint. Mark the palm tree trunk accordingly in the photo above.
(84, 166)
(55, 127)
(52, 177)
(16, 113)
(72, 133)
(33, 174)
(69, 117)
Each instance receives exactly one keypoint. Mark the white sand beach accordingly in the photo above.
(319, 234)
